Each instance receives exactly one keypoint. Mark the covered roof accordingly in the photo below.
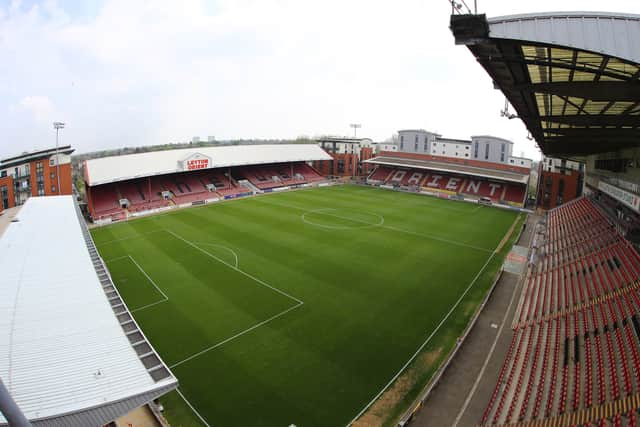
(343, 139)
(34, 155)
(572, 77)
(391, 160)
(64, 356)
(120, 168)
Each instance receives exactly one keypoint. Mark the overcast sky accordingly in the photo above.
(127, 72)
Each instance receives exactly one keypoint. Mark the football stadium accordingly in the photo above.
(428, 281)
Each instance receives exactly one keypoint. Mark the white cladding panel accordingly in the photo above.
(520, 161)
(612, 34)
(62, 349)
(460, 150)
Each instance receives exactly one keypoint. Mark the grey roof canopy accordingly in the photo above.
(573, 78)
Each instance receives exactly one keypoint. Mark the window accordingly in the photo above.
(442, 151)
(401, 139)
(425, 148)
(416, 140)
(466, 147)
(3, 174)
(475, 150)
(53, 187)
(511, 161)
(456, 153)
(38, 167)
(466, 154)
(401, 144)
(4, 197)
(521, 162)
(52, 175)
(502, 148)
(502, 157)
(486, 152)
(560, 192)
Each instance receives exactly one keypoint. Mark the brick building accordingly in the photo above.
(35, 174)
(559, 181)
(348, 155)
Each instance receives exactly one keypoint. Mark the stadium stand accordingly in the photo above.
(449, 176)
(575, 355)
(449, 183)
(116, 194)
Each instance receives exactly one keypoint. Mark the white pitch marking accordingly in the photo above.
(261, 282)
(444, 319)
(400, 230)
(164, 296)
(323, 211)
(133, 236)
(226, 340)
(220, 246)
(257, 325)
(486, 361)
(192, 408)
(116, 258)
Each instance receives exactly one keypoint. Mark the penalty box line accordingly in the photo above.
(165, 298)
(298, 301)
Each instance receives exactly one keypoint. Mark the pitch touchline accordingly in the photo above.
(389, 227)
(444, 319)
(486, 361)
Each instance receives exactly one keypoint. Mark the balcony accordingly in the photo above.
(21, 177)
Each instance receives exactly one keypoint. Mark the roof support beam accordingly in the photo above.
(601, 91)
(593, 120)
(598, 133)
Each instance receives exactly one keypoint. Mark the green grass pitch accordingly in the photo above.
(299, 307)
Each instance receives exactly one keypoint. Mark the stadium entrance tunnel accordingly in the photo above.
(342, 219)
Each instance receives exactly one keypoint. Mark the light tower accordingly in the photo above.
(355, 127)
(57, 126)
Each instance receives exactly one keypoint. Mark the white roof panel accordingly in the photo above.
(119, 168)
(613, 34)
(62, 350)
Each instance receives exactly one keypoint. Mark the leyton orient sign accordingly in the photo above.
(196, 161)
